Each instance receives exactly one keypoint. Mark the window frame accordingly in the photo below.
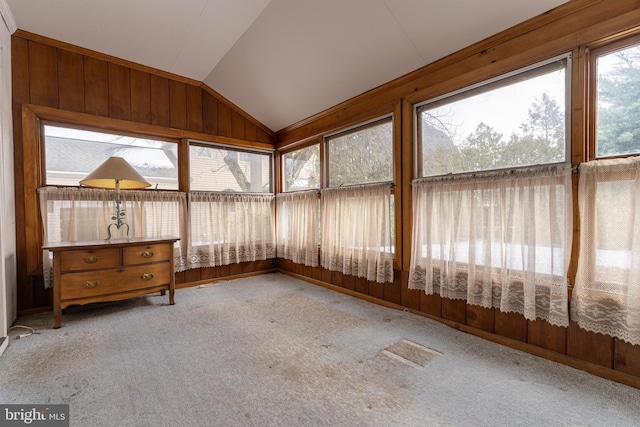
(326, 155)
(592, 93)
(296, 147)
(95, 129)
(490, 84)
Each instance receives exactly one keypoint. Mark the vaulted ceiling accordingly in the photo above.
(279, 60)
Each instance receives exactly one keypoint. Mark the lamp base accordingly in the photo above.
(118, 225)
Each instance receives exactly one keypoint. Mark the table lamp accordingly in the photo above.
(116, 173)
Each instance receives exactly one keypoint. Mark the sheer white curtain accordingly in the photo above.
(297, 226)
(499, 239)
(357, 231)
(230, 228)
(73, 214)
(606, 296)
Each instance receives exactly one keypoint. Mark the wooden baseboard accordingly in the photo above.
(223, 279)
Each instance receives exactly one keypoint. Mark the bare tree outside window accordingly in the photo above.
(227, 170)
(520, 122)
(361, 156)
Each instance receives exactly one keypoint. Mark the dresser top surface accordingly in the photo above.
(114, 243)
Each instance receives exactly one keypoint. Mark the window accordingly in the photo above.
(492, 216)
(616, 104)
(71, 154)
(301, 169)
(223, 169)
(362, 155)
(517, 120)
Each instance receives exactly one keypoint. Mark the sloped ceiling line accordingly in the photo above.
(281, 61)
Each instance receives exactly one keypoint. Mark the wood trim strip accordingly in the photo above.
(118, 125)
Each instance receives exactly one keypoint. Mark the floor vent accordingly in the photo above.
(411, 353)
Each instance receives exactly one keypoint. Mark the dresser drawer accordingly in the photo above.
(148, 253)
(89, 259)
(105, 282)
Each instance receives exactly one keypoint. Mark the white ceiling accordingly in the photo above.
(279, 60)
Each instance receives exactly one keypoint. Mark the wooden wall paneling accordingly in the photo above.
(237, 125)
(42, 297)
(183, 165)
(407, 174)
(454, 310)
(119, 92)
(140, 96)
(349, 282)
(32, 179)
(250, 131)
(431, 304)
(481, 317)
(96, 87)
(160, 114)
(43, 74)
(316, 273)
(193, 275)
(326, 275)
(511, 325)
(336, 278)
(265, 137)
(362, 285)
(19, 71)
(179, 277)
(398, 182)
(410, 298)
(224, 119)
(626, 357)
(209, 113)
(376, 290)
(237, 268)
(223, 271)
(20, 94)
(178, 104)
(589, 346)
(283, 263)
(545, 335)
(194, 108)
(70, 81)
(393, 291)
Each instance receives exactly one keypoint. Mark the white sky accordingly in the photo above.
(506, 108)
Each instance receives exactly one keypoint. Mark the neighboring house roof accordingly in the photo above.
(73, 155)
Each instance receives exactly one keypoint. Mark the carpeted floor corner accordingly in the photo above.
(272, 350)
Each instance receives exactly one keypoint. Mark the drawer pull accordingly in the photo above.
(147, 254)
(90, 259)
(91, 283)
(147, 276)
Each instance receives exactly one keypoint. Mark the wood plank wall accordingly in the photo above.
(573, 27)
(62, 83)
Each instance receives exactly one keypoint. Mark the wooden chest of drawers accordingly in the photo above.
(86, 272)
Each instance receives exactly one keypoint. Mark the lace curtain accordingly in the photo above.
(606, 296)
(73, 214)
(499, 239)
(230, 228)
(297, 226)
(357, 231)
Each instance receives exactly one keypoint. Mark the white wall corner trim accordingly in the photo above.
(7, 17)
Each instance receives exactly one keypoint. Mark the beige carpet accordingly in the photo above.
(275, 351)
